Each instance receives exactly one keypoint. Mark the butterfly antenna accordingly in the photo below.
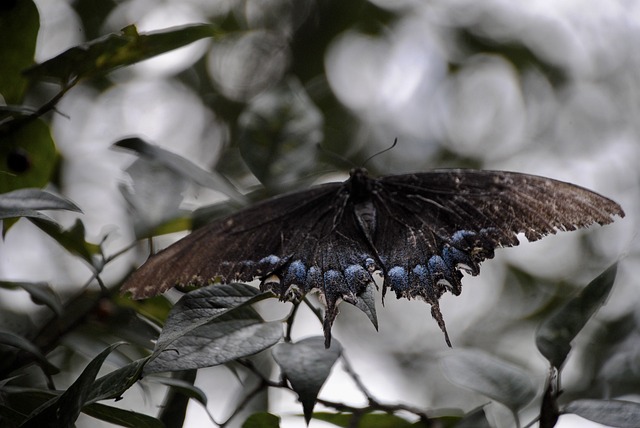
(395, 141)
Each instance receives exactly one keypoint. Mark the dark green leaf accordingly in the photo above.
(278, 132)
(474, 419)
(614, 413)
(64, 410)
(307, 365)
(41, 293)
(71, 239)
(369, 420)
(19, 25)
(20, 342)
(204, 305)
(181, 167)
(176, 400)
(27, 202)
(154, 196)
(554, 336)
(262, 420)
(490, 376)
(184, 387)
(121, 417)
(114, 384)
(235, 334)
(367, 303)
(28, 156)
(116, 50)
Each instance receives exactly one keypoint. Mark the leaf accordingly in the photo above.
(121, 417)
(19, 25)
(307, 365)
(28, 154)
(367, 303)
(278, 131)
(64, 410)
(368, 420)
(489, 376)
(474, 419)
(204, 305)
(114, 384)
(20, 342)
(41, 293)
(27, 202)
(554, 336)
(71, 239)
(236, 334)
(181, 166)
(154, 196)
(262, 420)
(185, 388)
(614, 413)
(176, 400)
(113, 51)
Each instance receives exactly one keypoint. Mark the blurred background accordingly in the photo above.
(544, 87)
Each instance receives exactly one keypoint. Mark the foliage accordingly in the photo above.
(274, 134)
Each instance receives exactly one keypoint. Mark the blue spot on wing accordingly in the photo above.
(399, 279)
(296, 274)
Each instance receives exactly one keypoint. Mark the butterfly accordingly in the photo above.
(418, 231)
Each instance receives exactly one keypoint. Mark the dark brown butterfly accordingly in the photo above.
(418, 230)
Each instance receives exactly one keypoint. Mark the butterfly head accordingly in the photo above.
(360, 185)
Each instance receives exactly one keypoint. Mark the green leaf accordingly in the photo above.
(64, 410)
(28, 156)
(368, 420)
(19, 25)
(112, 51)
(262, 420)
(278, 131)
(121, 417)
(554, 336)
(474, 419)
(20, 342)
(490, 376)
(176, 400)
(181, 166)
(614, 413)
(236, 334)
(41, 293)
(27, 203)
(307, 365)
(184, 387)
(204, 305)
(367, 303)
(154, 196)
(71, 239)
(114, 384)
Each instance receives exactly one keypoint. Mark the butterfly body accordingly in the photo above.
(419, 230)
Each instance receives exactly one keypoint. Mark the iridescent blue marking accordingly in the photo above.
(296, 274)
(398, 278)
(370, 264)
(357, 277)
(334, 283)
(314, 278)
(422, 273)
(455, 257)
(437, 265)
(460, 238)
(270, 260)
